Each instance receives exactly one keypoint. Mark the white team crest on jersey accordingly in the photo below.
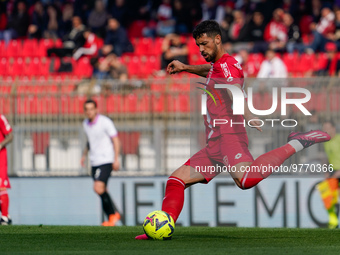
(225, 69)
(225, 160)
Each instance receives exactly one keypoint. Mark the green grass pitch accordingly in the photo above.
(187, 240)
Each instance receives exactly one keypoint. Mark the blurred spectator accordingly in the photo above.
(210, 10)
(272, 67)
(250, 68)
(256, 28)
(39, 19)
(238, 30)
(109, 67)
(52, 24)
(182, 19)
(276, 32)
(166, 23)
(116, 40)
(173, 49)
(65, 24)
(73, 41)
(90, 48)
(98, 18)
(294, 36)
(17, 23)
(120, 12)
(322, 31)
(316, 10)
(331, 65)
(336, 36)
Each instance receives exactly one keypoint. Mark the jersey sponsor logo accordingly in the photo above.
(7, 126)
(225, 69)
(238, 66)
(97, 173)
(238, 155)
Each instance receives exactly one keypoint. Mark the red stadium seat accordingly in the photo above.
(144, 103)
(114, 104)
(144, 46)
(14, 49)
(192, 47)
(2, 49)
(43, 45)
(136, 28)
(83, 68)
(17, 68)
(30, 48)
(3, 66)
(291, 61)
(134, 67)
(158, 46)
(306, 63)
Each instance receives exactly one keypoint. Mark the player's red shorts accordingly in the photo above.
(224, 150)
(4, 181)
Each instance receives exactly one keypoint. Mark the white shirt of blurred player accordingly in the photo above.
(99, 134)
(273, 69)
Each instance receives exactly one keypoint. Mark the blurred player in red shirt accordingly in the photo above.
(227, 145)
(6, 136)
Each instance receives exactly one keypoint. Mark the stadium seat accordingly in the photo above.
(83, 68)
(136, 28)
(134, 67)
(114, 104)
(143, 46)
(306, 63)
(14, 49)
(158, 46)
(192, 47)
(291, 61)
(17, 68)
(43, 46)
(2, 49)
(3, 66)
(130, 103)
(30, 48)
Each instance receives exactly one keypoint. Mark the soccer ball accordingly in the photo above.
(159, 225)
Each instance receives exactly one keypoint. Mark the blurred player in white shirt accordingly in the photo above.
(103, 147)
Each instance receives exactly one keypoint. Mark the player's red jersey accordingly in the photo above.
(226, 67)
(5, 129)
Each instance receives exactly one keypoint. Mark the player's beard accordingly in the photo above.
(212, 56)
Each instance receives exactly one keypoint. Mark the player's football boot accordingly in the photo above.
(142, 237)
(5, 220)
(309, 138)
(113, 218)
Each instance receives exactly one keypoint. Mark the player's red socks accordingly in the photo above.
(174, 197)
(263, 166)
(4, 202)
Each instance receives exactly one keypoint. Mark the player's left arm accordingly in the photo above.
(8, 139)
(116, 147)
(251, 120)
(6, 130)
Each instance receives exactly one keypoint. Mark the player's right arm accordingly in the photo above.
(84, 155)
(177, 67)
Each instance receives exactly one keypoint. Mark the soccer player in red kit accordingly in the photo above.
(6, 137)
(226, 145)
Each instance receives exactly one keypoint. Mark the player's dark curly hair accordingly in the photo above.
(209, 27)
